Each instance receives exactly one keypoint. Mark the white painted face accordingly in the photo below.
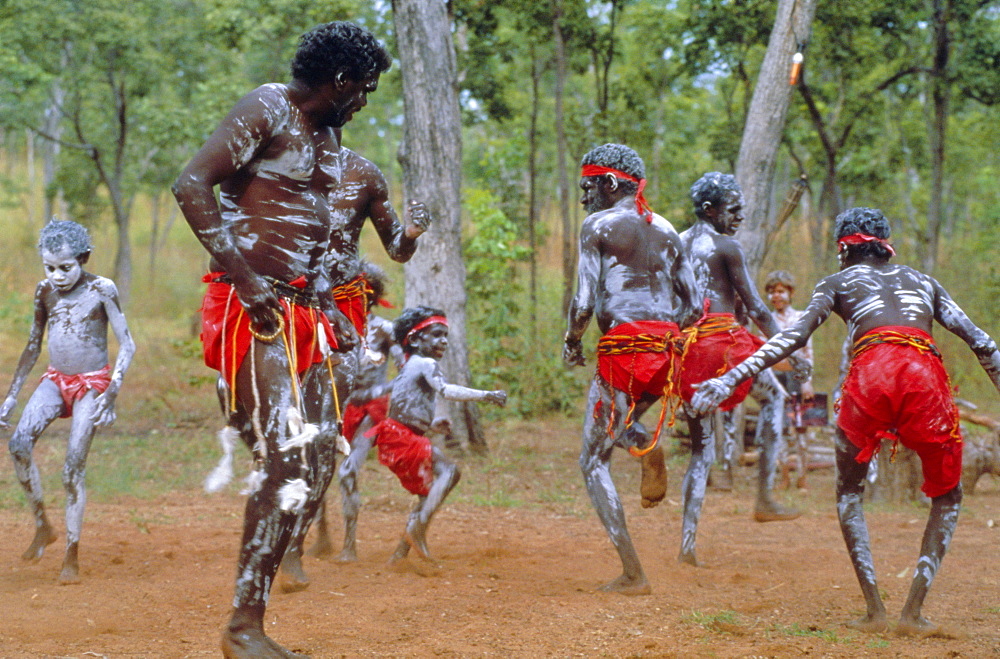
(431, 342)
(62, 268)
(780, 297)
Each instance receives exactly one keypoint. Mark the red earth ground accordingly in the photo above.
(157, 579)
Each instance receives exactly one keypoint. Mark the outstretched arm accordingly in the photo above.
(582, 307)
(28, 357)
(712, 392)
(955, 320)
(458, 392)
(104, 410)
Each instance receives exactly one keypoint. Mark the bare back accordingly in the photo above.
(631, 270)
(722, 275)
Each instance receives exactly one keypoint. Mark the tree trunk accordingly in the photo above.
(766, 123)
(940, 96)
(431, 159)
(568, 244)
(536, 75)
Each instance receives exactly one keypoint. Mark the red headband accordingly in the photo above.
(641, 205)
(424, 324)
(861, 238)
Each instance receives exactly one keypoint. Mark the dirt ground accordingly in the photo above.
(507, 581)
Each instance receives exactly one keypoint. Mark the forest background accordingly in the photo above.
(102, 103)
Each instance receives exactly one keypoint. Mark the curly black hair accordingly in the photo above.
(330, 48)
(713, 188)
(58, 234)
(377, 279)
(620, 157)
(869, 221)
(410, 318)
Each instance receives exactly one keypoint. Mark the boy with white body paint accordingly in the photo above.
(896, 388)
(422, 468)
(362, 195)
(721, 342)
(77, 308)
(269, 314)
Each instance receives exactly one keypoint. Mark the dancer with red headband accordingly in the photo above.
(896, 388)
(719, 342)
(403, 447)
(636, 282)
(361, 196)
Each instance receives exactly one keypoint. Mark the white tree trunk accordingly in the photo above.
(766, 124)
(431, 158)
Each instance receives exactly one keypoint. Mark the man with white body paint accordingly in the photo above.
(634, 278)
(268, 315)
(721, 342)
(77, 307)
(896, 388)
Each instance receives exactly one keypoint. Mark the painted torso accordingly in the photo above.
(414, 391)
(78, 324)
(707, 249)
(277, 206)
(633, 261)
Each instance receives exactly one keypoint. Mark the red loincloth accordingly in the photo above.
(720, 343)
(897, 388)
(376, 409)
(73, 387)
(406, 453)
(225, 330)
(352, 300)
(640, 358)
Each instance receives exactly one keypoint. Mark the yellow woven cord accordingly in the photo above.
(352, 290)
(623, 344)
(872, 339)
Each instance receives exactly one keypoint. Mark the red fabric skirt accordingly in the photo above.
(899, 391)
(352, 300)
(225, 330)
(407, 454)
(74, 387)
(721, 344)
(639, 358)
(377, 409)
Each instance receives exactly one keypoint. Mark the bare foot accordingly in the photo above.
(70, 575)
(251, 644)
(654, 478)
(321, 548)
(628, 586)
(347, 555)
(773, 512)
(870, 624)
(801, 483)
(292, 578)
(416, 539)
(687, 558)
(44, 536)
(919, 626)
